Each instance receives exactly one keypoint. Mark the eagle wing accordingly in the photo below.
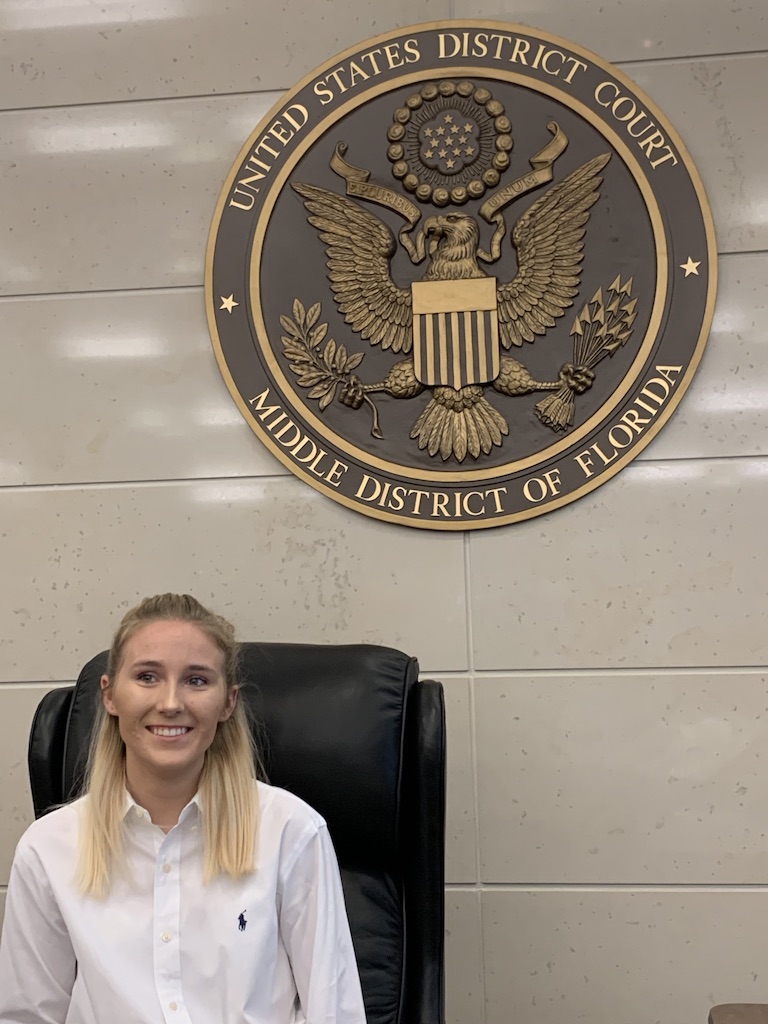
(549, 240)
(360, 248)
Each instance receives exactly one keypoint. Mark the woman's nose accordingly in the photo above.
(170, 697)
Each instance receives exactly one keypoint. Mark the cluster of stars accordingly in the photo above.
(443, 153)
(449, 140)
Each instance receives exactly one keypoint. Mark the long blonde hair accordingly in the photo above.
(227, 784)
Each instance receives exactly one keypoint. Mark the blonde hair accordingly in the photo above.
(227, 784)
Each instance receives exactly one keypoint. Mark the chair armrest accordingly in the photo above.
(739, 1013)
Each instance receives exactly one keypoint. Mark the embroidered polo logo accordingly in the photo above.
(241, 922)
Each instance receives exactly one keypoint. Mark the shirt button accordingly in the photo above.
(166, 936)
(194, 828)
(166, 868)
(173, 1006)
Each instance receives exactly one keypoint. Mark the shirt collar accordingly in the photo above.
(134, 811)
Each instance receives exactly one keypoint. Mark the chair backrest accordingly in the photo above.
(355, 733)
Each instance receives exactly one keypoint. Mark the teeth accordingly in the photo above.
(167, 731)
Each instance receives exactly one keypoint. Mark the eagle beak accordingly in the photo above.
(433, 231)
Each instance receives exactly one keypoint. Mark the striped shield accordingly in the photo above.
(455, 332)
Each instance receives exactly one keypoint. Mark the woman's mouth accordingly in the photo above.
(170, 731)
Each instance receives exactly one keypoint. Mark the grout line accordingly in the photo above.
(593, 887)
(473, 761)
(602, 670)
(130, 292)
(441, 674)
(125, 484)
(278, 91)
(689, 58)
(697, 458)
(170, 289)
(483, 958)
(590, 887)
(471, 695)
(539, 674)
(100, 484)
(468, 603)
(736, 253)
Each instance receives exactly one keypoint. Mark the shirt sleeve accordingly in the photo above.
(315, 931)
(37, 962)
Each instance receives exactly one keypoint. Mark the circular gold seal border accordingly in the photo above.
(663, 416)
(294, 399)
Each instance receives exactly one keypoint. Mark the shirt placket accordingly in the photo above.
(167, 938)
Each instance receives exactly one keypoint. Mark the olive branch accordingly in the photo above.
(323, 370)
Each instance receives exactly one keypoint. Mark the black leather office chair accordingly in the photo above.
(353, 732)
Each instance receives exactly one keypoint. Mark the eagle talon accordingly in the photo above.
(351, 393)
(577, 378)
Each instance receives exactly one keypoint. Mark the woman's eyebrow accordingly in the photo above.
(149, 663)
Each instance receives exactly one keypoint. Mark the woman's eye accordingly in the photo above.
(198, 681)
(145, 677)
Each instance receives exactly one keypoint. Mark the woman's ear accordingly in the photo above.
(106, 696)
(229, 704)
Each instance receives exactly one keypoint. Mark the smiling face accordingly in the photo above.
(169, 695)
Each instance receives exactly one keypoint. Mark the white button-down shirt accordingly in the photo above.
(163, 948)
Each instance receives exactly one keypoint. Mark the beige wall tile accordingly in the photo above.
(461, 817)
(17, 708)
(464, 1003)
(134, 388)
(80, 52)
(135, 183)
(622, 779)
(700, 98)
(725, 411)
(283, 561)
(116, 195)
(661, 566)
(632, 957)
(619, 31)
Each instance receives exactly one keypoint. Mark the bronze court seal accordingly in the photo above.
(460, 275)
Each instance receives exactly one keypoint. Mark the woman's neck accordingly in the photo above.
(164, 798)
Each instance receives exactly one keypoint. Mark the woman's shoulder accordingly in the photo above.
(54, 833)
(279, 805)
(289, 829)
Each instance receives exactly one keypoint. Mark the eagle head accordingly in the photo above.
(452, 240)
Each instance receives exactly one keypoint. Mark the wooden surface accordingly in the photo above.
(739, 1013)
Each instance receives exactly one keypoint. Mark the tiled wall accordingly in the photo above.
(604, 666)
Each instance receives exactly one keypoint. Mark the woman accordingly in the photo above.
(179, 888)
